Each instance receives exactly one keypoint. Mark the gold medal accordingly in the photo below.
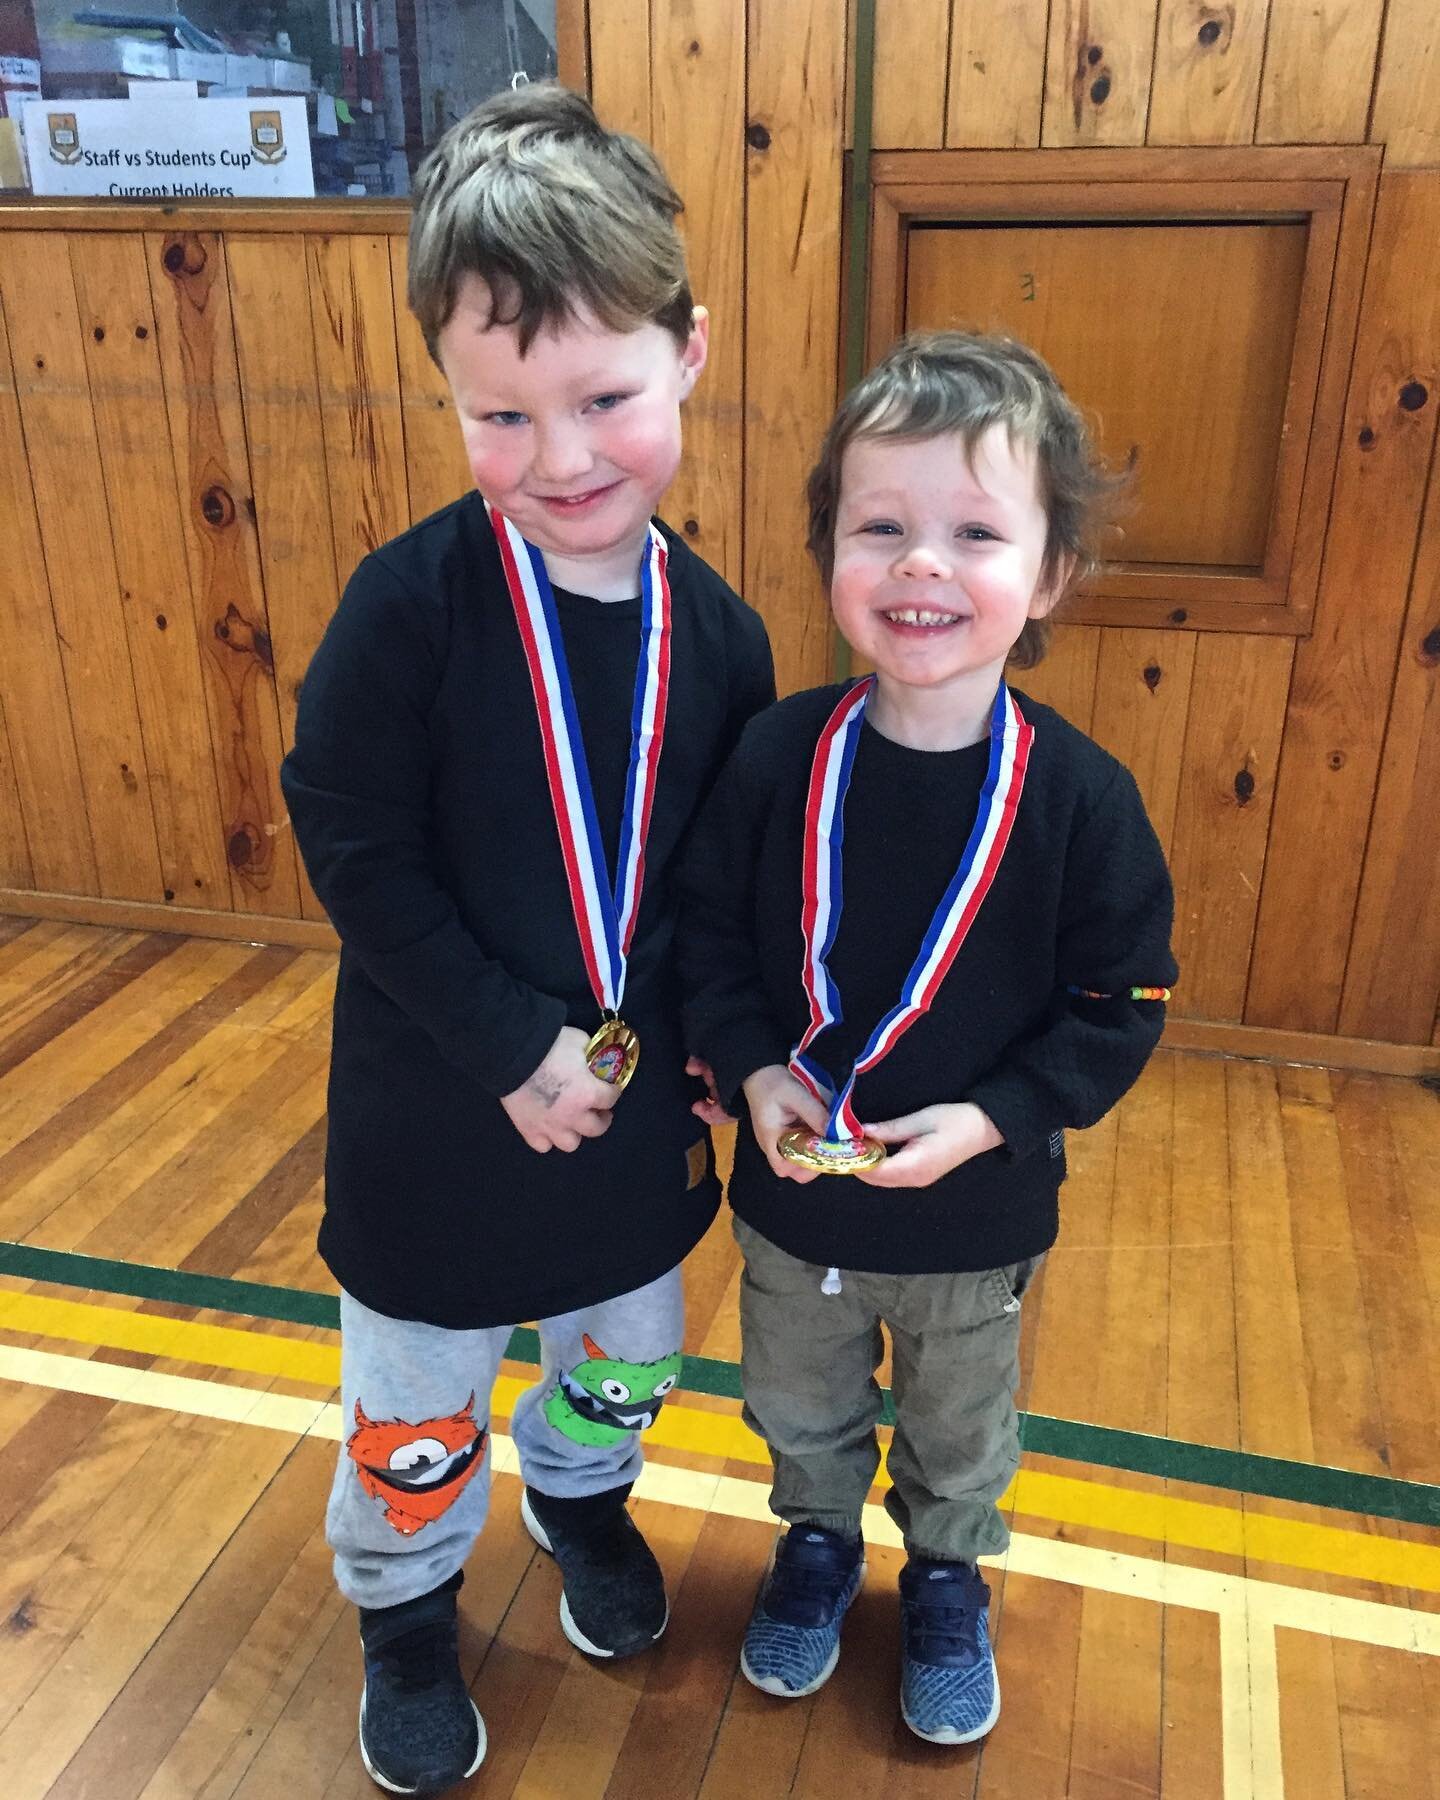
(612, 1053)
(830, 1156)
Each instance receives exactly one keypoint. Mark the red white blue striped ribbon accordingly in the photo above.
(604, 918)
(1010, 739)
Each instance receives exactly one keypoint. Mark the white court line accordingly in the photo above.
(1248, 1610)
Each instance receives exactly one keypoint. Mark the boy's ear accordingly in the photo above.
(1047, 593)
(697, 348)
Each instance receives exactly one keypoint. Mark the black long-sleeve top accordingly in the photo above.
(1082, 899)
(417, 790)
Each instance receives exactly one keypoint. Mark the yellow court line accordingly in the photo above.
(1063, 1499)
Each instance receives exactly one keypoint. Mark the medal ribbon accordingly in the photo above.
(1010, 740)
(604, 918)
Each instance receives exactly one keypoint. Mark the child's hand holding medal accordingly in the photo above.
(782, 1107)
(931, 1143)
(563, 1102)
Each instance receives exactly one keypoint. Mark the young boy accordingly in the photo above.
(512, 718)
(993, 965)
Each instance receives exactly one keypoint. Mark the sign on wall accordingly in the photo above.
(177, 149)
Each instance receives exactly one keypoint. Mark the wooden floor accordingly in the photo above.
(1249, 1279)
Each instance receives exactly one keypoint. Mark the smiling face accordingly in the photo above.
(576, 441)
(939, 558)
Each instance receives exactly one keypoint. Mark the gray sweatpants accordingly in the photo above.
(412, 1484)
(808, 1370)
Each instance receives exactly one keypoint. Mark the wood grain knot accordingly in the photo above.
(217, 507)
(98, 334)
(1430, 647)
(1100, 90)
(1336, 759)
(1209, 32)
(184, 255)
(161, 622)
(1366, 439)
(1244, 786)
(127, 776)
(1151, 675)
(246, 639)
(142, 331)
(757, 136)
(1093, 55)
(693, 47)
(692, 528)
(1413, 395)
(169, 893)
(1179, 616)
(240, 851)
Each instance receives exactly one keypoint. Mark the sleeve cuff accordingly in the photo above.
(1006, 1105)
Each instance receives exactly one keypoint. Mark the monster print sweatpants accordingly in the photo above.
(412, 1483)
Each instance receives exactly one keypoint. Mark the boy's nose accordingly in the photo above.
(920, 562)
(560, 455)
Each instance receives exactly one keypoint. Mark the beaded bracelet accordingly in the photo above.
(1134, 993)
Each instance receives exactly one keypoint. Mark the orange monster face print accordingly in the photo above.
(419, 1471)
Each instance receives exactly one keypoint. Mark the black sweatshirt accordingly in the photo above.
(418, 795)
(1081, 898)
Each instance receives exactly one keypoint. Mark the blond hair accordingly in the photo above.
(553, 212)
(931, 384)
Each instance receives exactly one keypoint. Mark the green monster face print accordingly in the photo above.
(600, 1401)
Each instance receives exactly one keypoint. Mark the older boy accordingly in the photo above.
(511, 720)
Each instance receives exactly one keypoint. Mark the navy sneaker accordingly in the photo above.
(420, 1732)
(949, 1691)
(613, 1601)
(792, 1642)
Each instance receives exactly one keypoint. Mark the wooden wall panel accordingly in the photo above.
(208, 443)
(997, 75)
(1341, 852)
(1319, 66)
(1206, 84)
(1227, 787)
(1406, 112)
(1142, 701)
(620, 64)
(65, 474)
(117, 322)
(352, 314)
(15, 866)
(1097, 71)
(912, 49)
(792, 308)
(1344, 670)
(43, 754)
(1392, 976)
(698, 105)
(1066, 678)
(279, 389)
(435, 466)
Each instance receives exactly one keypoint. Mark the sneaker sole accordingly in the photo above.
(772, 1684)
(949, 1735)
(567, 1619)
(390, 1787)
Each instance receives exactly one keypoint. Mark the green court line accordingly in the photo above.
(1175, 1459)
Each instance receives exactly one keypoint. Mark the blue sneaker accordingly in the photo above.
(949, 1691)
(792, 1642)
